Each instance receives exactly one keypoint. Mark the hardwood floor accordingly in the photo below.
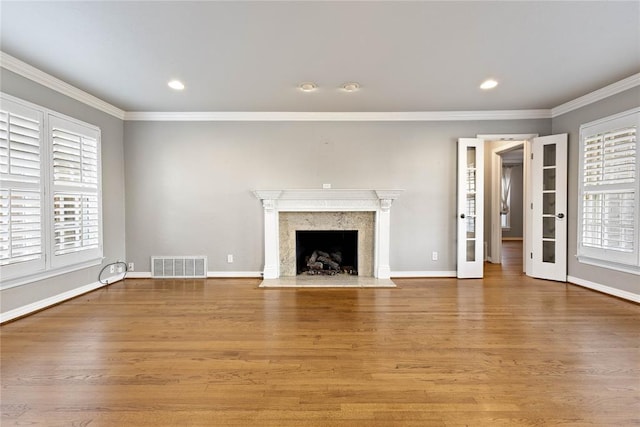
(504, 351)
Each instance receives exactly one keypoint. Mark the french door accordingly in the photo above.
(470, 207)
(547, 257)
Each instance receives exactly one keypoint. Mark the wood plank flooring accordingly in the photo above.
(503, 351)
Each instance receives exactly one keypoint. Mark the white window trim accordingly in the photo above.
(624, 262)
(52, 268)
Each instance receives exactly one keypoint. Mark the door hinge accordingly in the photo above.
(531, 156)
(531, 205)
(531, 255)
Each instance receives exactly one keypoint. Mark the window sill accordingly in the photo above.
(25, 280)
(609, 265)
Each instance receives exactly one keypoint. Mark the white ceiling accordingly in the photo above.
(250, 56)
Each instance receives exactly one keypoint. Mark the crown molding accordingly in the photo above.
(284, 116)
(25, 70)
(597, 95)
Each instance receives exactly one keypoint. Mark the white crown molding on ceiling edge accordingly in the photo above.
(356, 116)
(597, 95)
(25, 70)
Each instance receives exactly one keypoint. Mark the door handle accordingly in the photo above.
(560, 215)
(462, 216)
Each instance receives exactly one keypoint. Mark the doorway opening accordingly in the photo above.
(511, 198)
(507, 222)
(544, 243)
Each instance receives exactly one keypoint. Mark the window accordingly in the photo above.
(50, 204)
(608, 233)
(505, 198)
(76, 207)
(21, 190)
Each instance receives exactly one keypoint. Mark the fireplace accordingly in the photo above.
(327, 252)
(288, 211)
(291, 223)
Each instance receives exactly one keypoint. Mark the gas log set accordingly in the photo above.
(327, 264)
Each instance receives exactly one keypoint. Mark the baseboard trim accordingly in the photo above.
(138, 275)
(234, 274)
(210, 274)
(25, 310)
(407, 274)
(604, 289)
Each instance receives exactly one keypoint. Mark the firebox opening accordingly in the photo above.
(327, 252)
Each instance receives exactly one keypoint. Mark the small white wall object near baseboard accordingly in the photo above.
(604, 289)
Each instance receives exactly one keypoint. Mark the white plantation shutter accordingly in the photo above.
(609, 190)
(50, 196)
(21, 189)
(75, 159)
(76, 191)
(76, 224)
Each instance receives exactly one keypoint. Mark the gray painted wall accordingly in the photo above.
(189, 183)
(112, 189)
(570, 123)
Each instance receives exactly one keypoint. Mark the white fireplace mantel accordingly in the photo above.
(326, 200)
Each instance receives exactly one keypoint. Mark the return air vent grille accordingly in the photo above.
(178, 267)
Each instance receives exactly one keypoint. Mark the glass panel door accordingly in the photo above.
(470, 207)
(549, 207)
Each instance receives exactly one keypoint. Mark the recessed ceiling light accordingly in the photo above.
(176, 84)
(351, 86)
(488, 84)
(308, 86)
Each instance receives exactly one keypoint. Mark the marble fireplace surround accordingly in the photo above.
(327, 200)
(290, 222)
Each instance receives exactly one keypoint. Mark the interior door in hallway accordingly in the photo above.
(547, 258)
(470, 208)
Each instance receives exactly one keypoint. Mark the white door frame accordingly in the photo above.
(496, 177)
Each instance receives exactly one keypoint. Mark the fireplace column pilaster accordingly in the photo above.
(271, 249)
(383, 269)
(271, 239)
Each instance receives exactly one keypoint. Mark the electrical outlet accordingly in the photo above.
(229, 258)
(326, 186)
(130, 267)
(434, 256)
(120, 268)
(112, 269)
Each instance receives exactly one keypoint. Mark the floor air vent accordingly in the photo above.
(178, 267)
